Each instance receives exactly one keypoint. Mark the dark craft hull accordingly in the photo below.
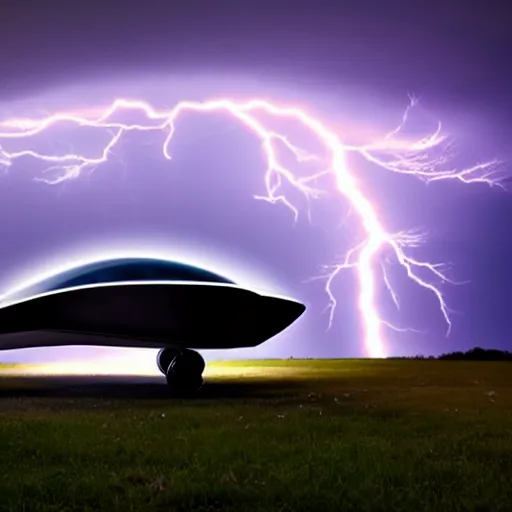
(148, 315)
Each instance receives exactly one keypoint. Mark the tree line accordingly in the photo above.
(474, 354)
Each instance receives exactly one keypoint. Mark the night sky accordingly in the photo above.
(351, 62)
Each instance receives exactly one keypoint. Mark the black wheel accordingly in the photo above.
(184, 373)
(165, 358)
(187, 362)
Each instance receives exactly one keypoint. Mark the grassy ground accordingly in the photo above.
(4, 366)
(288, 435)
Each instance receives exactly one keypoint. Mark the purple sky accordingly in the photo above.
(355, 63)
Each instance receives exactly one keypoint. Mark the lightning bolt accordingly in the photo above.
(377, 246)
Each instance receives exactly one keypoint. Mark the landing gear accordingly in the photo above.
(165, 357)
(183, 370)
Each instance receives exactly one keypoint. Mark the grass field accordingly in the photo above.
(344, 435)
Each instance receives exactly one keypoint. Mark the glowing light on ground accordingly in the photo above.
(392, 153)
(144, 366)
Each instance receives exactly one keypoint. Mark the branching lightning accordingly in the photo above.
(368, 258)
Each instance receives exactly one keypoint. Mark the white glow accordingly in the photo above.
(144, 366)
(189, 254)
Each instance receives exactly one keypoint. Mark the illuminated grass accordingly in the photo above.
(8, 366)
(321, 435)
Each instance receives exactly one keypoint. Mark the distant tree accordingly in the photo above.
(478, 354)
(474, 354)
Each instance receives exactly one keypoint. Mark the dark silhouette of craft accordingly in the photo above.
(148, 303)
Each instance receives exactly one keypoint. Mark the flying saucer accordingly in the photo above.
(146, 303)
